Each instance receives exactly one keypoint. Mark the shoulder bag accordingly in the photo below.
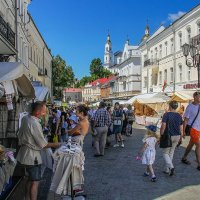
(165, 139)
(188, 127)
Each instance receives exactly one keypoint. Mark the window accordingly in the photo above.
(189, 74)
(180, 73)
(166, 48)
(124, 85)
(198, 27)
(160, 53)
(172, 45)
(156, 53)
(171, 74)
(145, 82)
(180, 40)
(160, 77)
(188, 34)
(165, 75)
(151, 56)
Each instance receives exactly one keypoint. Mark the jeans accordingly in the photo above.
(168, 153)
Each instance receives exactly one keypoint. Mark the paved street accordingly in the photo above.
(118, 176)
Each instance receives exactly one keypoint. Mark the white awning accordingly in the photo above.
(41, 93)
(10, 71)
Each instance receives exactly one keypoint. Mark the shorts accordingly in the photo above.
(34, 172)
(117, 129)
(194, 135)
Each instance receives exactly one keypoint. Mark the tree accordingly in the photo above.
(96, 67)
(62, 75)
(96, 71)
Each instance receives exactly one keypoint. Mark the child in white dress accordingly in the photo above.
(149, 152)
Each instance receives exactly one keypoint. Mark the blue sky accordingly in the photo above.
(77, 29)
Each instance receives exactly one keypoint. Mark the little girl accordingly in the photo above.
(149, 152)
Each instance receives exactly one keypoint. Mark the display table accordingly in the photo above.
(140, 120)
(68, 169)
(151, 120)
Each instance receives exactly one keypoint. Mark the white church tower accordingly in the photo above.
(108, 54)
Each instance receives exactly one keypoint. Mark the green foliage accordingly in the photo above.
(96, 71)
(62, 75)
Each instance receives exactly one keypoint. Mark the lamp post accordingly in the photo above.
(194, 61)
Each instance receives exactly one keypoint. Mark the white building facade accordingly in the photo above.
(40, 58)
(163, 63)
(13, 31)
(127, 67)
(21, 41)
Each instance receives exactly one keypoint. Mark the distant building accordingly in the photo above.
(107, 88)
(72, 94)
(126, 65)
(91, 92)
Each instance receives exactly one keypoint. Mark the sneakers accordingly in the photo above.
(153, 179)
(171, 173)
(145, 174)
(116, 145)
(122, 145)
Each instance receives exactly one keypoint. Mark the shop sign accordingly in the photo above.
(191, 86)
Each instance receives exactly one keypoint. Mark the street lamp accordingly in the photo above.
(194, 61)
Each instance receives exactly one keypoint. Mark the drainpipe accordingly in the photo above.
(43, 67)
(174, 59)
(16, 31)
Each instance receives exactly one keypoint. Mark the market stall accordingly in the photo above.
(15, 93)
(148, 111)
(183, 99)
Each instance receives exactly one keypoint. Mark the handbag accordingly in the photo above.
(188, 127)
(165, 139)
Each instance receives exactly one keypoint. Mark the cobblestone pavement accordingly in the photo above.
(118, 176)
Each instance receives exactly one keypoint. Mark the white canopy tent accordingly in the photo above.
(41, 93)
(15, 72)
(146, 96)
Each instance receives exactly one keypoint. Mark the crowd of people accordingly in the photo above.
(50, 127)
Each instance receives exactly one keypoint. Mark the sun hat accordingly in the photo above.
(152, 128)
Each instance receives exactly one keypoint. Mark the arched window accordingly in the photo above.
(160, 53)
(188, 34)
(180, 72)
(180, 39)
(166, 51)
(198, 27)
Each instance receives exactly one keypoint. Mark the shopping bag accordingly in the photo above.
(55, 138)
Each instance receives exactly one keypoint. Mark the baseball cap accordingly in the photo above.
(152, 128)
(74, 118)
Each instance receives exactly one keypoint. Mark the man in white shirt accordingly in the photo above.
(32, 142)
(191, 112)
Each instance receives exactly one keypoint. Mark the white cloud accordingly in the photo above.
(174, 17)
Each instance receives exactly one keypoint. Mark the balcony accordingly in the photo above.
(151, 62)
(7, 32)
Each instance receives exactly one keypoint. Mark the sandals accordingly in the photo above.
(185, 161)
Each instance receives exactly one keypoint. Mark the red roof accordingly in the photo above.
(101, 81)
(72, 90)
